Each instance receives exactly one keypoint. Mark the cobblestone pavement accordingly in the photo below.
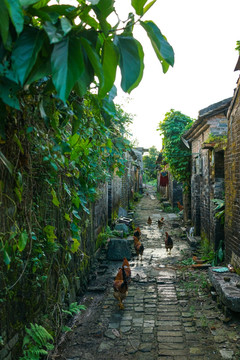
(169, 312)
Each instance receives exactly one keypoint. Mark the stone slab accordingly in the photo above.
(118, 249)
(228, 292)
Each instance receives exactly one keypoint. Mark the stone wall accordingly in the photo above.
(232, 183)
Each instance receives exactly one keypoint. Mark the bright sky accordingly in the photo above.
(203, 35)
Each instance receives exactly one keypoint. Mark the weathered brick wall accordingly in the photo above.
(195, 203)
(205, 195)
(232, 185)
(207, 181)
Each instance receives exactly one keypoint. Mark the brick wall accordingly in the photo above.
(207, 179)
(232, 184)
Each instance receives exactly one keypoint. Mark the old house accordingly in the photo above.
(232, 180)
(207, 140)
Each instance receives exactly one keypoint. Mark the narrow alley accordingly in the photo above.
(169, 311)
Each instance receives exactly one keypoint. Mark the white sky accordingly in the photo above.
(203, 35)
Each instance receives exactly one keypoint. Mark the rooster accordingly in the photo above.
(120, 287)
(138, 247)
(180, 207)
(160, 222)
(127, 269)
(168, 243)
(149, 221)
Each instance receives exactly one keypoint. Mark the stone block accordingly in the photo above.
(227, 291)
(122, 212)
(122, 227)
(118, 249)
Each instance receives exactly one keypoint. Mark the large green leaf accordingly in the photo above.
(27, 3)
(4, 22)
(8, 93)
(162, 48)
(6, 162)
(25, 52)
(148, 6)
(131, 62)
(138, 6)
(55, 33)
(41, 4)
(109, 62)
(67, 65)
(65, 25)
(16, 14)
(86, 77)
(103, 9)
(22, 242)
(62, 10)
(41, 69)
(95, 62)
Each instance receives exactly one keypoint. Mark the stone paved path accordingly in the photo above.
(168, 312)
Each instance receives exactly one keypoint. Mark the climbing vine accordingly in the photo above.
(175, 153)
(61, 137)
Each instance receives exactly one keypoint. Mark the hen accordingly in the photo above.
(180, 207)
(149, 221)
(168, 243)
(160, 222)
(138, 247)
(120, 287)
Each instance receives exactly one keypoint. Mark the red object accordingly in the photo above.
(164, 178)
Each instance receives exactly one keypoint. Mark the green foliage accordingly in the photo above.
(37, 343)
(103, 236)
(175, 153)
(219, 209)
(216, 139)
(194, 282)
(73, 47)
(74, 308)
(149, 163)
(238, 46)
(208, 254)
(61, 134)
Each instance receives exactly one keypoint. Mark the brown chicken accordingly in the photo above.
(138, 247)
(149, 221)
(127, 269)
(137, 232)
(120, 287)
(180, 207)
(168, 243)
(160, 222)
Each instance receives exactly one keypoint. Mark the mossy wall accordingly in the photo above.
(232, 183)
(39, 292)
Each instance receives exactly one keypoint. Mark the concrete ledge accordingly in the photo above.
(225, 286)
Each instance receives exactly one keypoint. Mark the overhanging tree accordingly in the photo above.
(175, 153)
(72, 47)
(149, 162)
